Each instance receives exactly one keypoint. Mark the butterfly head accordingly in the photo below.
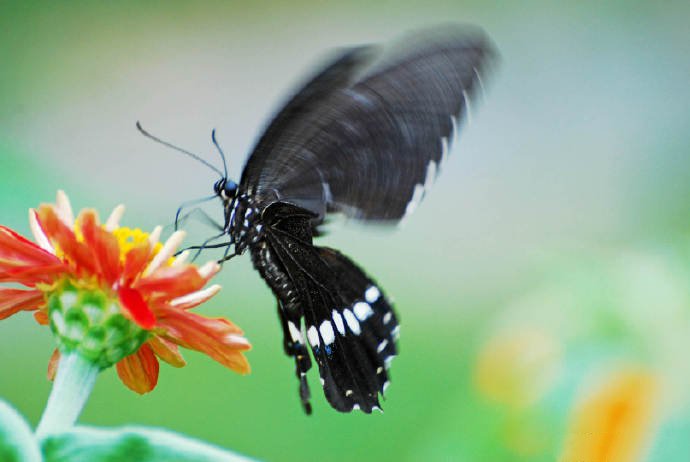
(225, 189)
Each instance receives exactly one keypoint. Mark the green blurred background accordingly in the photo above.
(543, 287)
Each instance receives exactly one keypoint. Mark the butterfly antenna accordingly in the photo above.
(178, 149)
(220, 151)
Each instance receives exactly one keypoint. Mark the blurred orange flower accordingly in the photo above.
(614, 420)
(114, 294)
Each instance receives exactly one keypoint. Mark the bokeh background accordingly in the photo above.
(543, 285)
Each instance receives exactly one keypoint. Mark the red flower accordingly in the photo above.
(91, 267)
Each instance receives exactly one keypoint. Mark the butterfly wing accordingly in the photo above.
(369, 143)
(350, 326)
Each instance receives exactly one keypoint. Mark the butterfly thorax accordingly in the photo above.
(243, 222)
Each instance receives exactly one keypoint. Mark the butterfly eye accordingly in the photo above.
(229, 189)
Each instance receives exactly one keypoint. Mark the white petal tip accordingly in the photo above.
(237, 339)
(181, 258)
(197, 297)
(113, 221)
(64, 208)
(39, 235)
(166, 252)
(155, 235)
(208, 269)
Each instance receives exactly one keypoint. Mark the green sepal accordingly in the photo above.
(89, 322)
(140, 444)
(17, 441)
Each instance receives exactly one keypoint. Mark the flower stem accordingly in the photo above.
(75, 379)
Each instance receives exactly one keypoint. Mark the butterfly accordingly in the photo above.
(364, 137)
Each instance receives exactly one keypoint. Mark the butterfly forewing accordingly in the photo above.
(373, 142)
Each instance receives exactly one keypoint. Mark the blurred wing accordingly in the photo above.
(370, 144)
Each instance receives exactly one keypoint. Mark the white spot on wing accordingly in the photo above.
(348, 392)
(360, 98)
(362, 310)
(313, 336)
(372, 294)
(382, 346)
(414, 202)
(444, 149)
(328, 195)
(387, 317)
(295, 333)
(338, 321)
(454, 129)
(468, 106)
(430, 176)
(352, 322)
(481, 83)
(327, 332)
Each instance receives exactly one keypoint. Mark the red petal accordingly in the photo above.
(135, 262)
(53, 364)
(139, 371)
(167, 351)
(215, 337)
(74, 251)
(17, 250)
(14, 300)
(136, 306)
(103, 244)
(31, 275)
(172, 282)
(23, 261)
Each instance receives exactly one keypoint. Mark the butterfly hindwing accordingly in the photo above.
(349, 324)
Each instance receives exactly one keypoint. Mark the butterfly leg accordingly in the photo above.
(187, 204)
(199, 213)
(293, 344)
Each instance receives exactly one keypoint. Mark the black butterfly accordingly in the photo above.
(365, 138)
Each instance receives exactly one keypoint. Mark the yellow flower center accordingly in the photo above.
(129, 238)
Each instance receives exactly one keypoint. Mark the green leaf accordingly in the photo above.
(17, 441)
(131, 444)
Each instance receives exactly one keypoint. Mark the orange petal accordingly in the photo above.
(58, 233)
(31, 275)
(14, 300)
(167, 351)
(172, 281)
(41, 317)
(135, 262)
(215, 337)
(53, 364)
(136, 307)
(103, 244)
(139, 371)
